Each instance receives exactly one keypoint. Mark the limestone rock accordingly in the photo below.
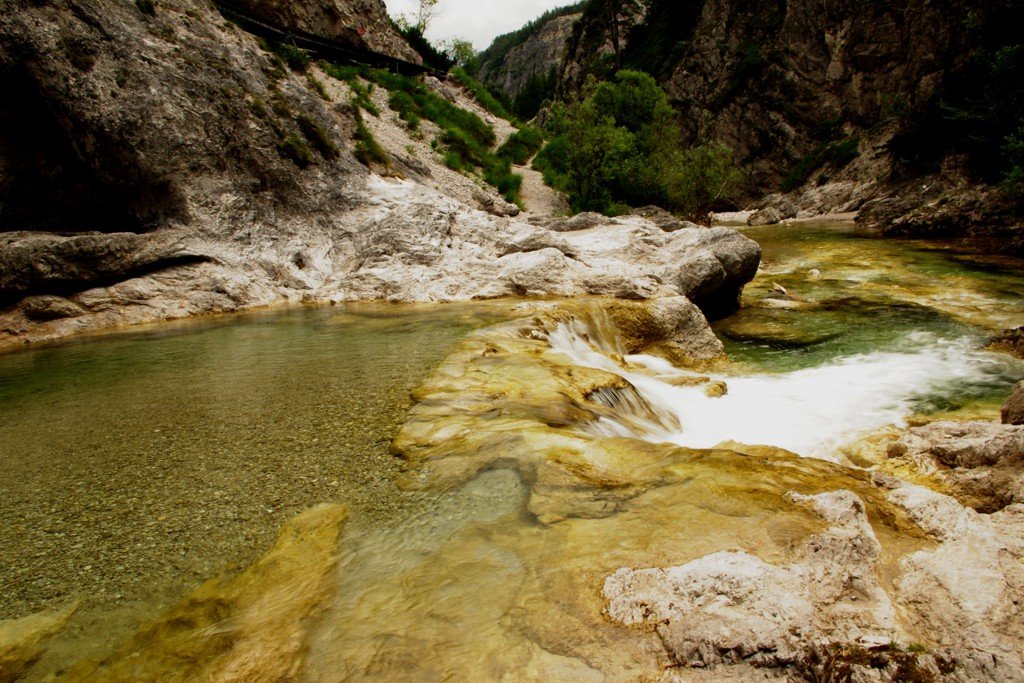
(981, 462)
(663, 219)
(156, 221)
(360, 23)
(934, 207)
(732, 607)
(414, 244)
(535, 58)
(43, 262)
(581, 221)
(967, 593)
(495, 205)
(776, 209)
(1012, 412)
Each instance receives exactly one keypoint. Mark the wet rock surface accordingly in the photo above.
(982, 463)
(1012, 412)
(732, 607)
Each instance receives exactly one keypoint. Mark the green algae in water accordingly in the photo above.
(867, 295)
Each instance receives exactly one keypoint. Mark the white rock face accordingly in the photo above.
(732, 607)
(414, 244)
(981, 463)
(963, 596)
(967, 593)
(406, 242)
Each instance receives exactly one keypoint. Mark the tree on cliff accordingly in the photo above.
(619, 146)
(614, 19)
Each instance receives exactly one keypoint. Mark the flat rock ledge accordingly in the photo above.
(403, 243)
(951, 612)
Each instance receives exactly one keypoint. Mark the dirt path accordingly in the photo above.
(538, 198)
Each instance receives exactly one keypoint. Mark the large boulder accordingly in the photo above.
(981, 463)
(1012, 412)
(732, 607)
(414, 244)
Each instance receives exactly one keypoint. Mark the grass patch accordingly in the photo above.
(482, 94)
(522, 145)
(351, 75)
(464, 141)
(317, 136)
(296, 149)
(368, 151)
(838, 153)
(317, 85)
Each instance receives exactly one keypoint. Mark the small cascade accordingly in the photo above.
(812, 412)
(591, 341)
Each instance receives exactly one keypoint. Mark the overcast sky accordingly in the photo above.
(479, 21)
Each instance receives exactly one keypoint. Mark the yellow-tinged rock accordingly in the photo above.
(23, 641)
(250, 627)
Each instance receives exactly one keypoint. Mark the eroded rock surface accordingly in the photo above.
(1012, 412)
(191, 198)
(982, 463)
(360, 23)
(733, 607)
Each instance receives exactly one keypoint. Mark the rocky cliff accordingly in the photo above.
(360, 23)
(538, 58)
(156, 161)
(774, 79)
(839, 102)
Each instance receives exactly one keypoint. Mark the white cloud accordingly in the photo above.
(478, 21)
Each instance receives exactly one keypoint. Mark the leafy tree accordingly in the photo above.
(420, 20)
(462, 53)
(621, 146)
(614, 19)
(703, 177)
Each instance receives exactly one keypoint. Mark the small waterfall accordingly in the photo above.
(591, 341)
(811, 412)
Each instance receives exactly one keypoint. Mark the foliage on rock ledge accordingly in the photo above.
(620, 146)
(465, 140)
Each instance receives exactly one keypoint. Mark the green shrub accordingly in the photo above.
(367, 150)
(1013, 150)
(296, 58)
(280, 105)
(521, 145)
(362, 97)
(551, 161)
(297, 150)
(146, 7)
(464, 140)
(317, 136)
(621, 147)
(318, 86)
(482, 94)
(500, 175)
(341, 72)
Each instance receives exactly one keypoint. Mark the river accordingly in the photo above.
(138, 464)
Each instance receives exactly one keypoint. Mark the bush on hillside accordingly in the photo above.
(620, 147)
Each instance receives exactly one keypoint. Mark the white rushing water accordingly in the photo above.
(811, 411)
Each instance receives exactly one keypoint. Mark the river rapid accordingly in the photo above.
(138, 465)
